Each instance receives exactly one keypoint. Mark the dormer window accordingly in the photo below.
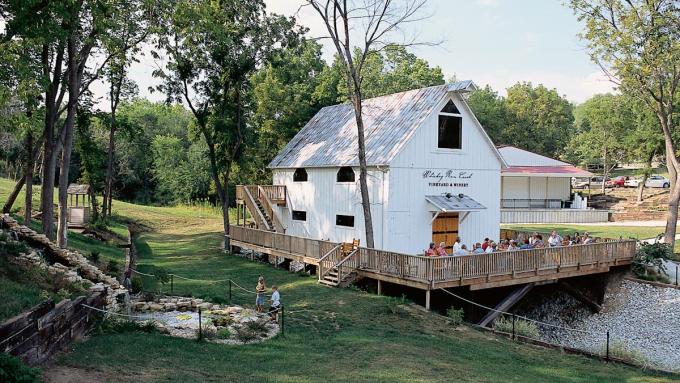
(345, 174)
(300, 175)
(450, 132)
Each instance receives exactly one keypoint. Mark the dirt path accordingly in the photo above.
(65, 374)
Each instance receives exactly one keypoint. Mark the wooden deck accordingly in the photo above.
(479, 271)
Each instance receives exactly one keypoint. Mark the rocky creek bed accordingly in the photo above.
(227, 324)
(643, 322)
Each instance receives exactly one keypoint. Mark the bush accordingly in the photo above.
(209, 332)
(112, 267)
(456, 316)
(137, 284)
(222, 321)
(258, 326)
(119, 326)
(94, 256)
(223, 333)
(618, 349)
(245, 335)
(12, 370)
(522, 327)
(651, 255)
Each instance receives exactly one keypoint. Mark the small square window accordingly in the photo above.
(345, 174)
(450, 132)
(299, 215)
(300, 175)
(344, 220)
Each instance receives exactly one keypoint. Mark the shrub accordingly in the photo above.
(118, 326)
(222, 321)
(456, 316)
(12, 370)
(94, 256)
(209, 332)
(112, 267)
(618, 349)
(651, 255)
(137, 284)
(245, 334)
(522, 327)
(258, 326)
(224, 333)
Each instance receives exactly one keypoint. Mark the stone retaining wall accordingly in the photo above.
(38, 333)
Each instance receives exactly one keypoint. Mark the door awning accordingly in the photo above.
(452, 203)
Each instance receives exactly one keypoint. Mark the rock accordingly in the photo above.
(170, 307)
(156, 307)
(205, 306)
(233, 310)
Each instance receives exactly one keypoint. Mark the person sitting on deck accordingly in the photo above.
(503, 245)
(567, 241)
(533, 238)
(513, 245)
(462, 250)
(526, 245)
(587, 238)
(478, 249)
(538, 242)
(577, 238)
(485, 244)
(431, 251)
(554, 240)
(457, 245)
(441, 249)
(491, 247)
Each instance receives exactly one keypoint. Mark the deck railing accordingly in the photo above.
(434, 270)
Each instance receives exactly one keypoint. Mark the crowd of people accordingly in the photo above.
(534, 241)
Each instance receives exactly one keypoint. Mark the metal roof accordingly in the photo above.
(330, 137)
(526, 163)
(453, 202)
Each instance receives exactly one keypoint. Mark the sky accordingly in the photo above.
(494, 42)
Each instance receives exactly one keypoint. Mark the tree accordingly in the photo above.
(602, 123)
(214, 47)
(637, 45)
(645, 141)
(540, 119)
(286, 93)
(122, 47)
(491, 111)
(373, 22)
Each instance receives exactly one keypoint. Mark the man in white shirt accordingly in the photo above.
(275, 302)
(554, 239)
(456, 245)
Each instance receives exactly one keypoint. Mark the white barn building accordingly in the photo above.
(434, 174)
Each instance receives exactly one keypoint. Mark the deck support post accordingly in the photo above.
(427, 299)
(379, 287)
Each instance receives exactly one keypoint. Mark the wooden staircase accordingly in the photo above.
(260, 202)
(338, 268)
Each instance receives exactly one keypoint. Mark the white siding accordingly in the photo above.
(515, 187)
(323, 198)
(409, 224)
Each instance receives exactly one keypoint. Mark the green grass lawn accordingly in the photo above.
(17, 297)
(637, 232)
(332, 335)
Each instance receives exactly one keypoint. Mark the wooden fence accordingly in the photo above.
(436, 270)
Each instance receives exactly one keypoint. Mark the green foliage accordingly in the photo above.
(122, 326)
(113, 267)
(456, 316)
(181, 174)
(12, 370)
(244, 334)
(531, 117)
(522, 327)
(223, 333)
(222, 320)
(651, 256)
(618, 349)
(208, 332)
(94, 256)
(137, 284)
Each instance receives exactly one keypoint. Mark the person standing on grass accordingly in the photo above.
(260, 290)
(127, 279)
(275, 303)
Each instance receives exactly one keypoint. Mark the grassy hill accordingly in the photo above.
(332, 335)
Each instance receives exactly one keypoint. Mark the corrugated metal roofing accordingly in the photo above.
(454, 202)
(519, 157)
(330, 137)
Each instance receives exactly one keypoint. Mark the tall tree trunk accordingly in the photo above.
(604, 171)
(673, 167)
(13, 195)
(73, 90)
(28, 176)
(641, 187)
(363, 171)
(108, 187)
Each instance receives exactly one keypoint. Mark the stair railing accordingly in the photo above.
(328, 261)
(254, 210)
(348, 265)
(268, 206)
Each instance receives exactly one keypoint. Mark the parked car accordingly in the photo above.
(579, 182)
(617, 182)
(655, 181)
(594, 182)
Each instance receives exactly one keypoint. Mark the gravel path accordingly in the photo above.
(642, 319)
